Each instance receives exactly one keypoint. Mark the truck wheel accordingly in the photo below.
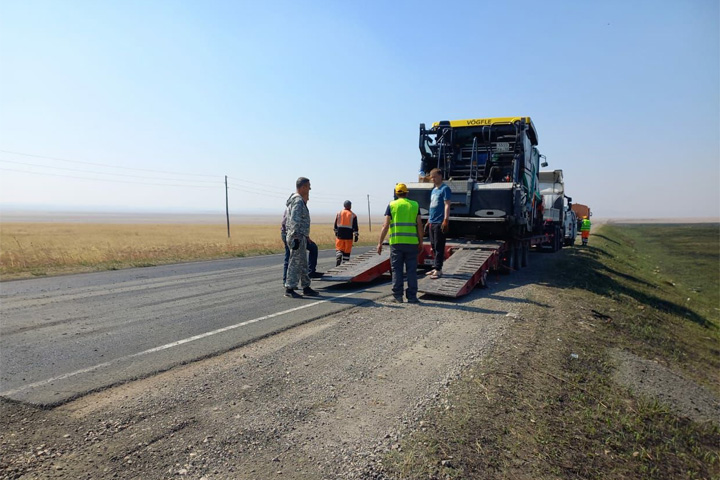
(558, 243)
(560, 235)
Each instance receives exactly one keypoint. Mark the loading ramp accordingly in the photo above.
(467, 267)
(362, 268)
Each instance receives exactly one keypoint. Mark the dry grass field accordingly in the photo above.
(33, 249)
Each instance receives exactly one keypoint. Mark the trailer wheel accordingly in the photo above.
(508, 261)
(525, 256)
(483, 279)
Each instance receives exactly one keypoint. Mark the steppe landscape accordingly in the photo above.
(38, 244)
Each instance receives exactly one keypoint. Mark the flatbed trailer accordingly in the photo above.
(467, 264)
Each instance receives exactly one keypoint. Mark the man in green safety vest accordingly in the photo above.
(402, 219)
(585, 229)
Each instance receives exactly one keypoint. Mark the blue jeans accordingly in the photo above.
(312, 257)
(404, 256)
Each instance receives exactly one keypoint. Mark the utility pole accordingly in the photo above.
(227, 208)
(369, 220)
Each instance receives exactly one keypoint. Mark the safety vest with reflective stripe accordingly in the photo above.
(403, 222)
(585, 225)
(345, 224)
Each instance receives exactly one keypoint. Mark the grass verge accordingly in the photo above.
(550, 405)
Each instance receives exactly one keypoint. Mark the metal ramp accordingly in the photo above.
(466, 267)
(365, 267)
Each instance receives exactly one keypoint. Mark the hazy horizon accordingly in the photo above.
(60, 214)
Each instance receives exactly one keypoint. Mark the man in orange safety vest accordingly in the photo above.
(346, 230)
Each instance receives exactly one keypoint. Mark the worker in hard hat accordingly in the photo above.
(402, 220)
(346, 230)
(585, 229)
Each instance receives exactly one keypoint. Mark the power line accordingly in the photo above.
(258, 188)
(255, 184)
(259, 192)
(279, 195)
(251, 184)
(243, 185)
(101, 173)
(105, 179)
(106, 165)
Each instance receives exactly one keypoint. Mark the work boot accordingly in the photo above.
(290, 292)
(397, 299)
(316, 274)
(413, 300)
(310, 292)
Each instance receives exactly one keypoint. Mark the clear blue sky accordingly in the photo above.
(625, 97)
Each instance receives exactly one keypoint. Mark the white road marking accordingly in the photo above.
(167, 345)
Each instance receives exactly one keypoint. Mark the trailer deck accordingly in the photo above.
(467, 264)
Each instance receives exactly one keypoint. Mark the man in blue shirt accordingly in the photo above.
(438, 220)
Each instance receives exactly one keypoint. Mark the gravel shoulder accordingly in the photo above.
(323, 400)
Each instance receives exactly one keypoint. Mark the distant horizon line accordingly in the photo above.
(30, 215)
(48, 210)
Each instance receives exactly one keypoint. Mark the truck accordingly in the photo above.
(571, 223)
(492, 166)
(580, 212)
(557, 207)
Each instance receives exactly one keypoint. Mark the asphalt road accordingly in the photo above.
(63, 337)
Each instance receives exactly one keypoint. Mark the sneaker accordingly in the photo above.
(413, 300)
(310, 292)
(397, 299)
(316, 274)
(290, 292)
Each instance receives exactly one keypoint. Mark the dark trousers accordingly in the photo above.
(312, 249)
(437, 240)
(404, 256)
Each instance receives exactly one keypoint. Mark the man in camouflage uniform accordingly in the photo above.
(298, 231)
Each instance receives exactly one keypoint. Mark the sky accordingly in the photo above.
(147, 105)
